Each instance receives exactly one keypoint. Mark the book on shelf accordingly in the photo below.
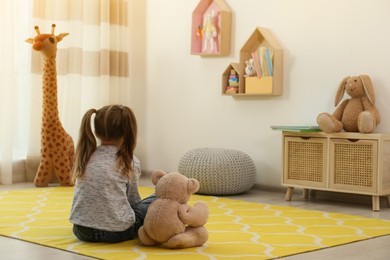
(265, 57)
(262, 63)
(268, 59)
(256, 61)
(296, 128)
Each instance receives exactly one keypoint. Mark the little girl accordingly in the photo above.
(106, 205)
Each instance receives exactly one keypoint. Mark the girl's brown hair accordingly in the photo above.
(111, 123)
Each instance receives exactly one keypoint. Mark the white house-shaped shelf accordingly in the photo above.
(219, 14)
(263, 85)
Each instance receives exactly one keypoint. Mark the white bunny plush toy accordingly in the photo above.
(250, 68)
(356, 114)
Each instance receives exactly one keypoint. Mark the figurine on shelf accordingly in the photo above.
(209, 32)
(232, 87)
(199, 32)
(250, 68)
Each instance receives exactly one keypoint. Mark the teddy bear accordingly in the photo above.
(356, 114)
(170, 221)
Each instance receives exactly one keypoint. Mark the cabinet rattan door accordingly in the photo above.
(305, 162)
(353, 165)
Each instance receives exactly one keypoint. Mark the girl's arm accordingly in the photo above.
(132, 190)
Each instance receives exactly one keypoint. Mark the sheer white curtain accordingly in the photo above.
(15, 18)
(92, 69)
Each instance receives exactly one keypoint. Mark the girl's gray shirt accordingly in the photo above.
(103, 199)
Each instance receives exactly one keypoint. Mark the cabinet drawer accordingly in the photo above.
(305, 161)
(353, 165)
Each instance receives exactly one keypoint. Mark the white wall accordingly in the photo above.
(177, 96)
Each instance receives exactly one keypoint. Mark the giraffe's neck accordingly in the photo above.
(49, 85)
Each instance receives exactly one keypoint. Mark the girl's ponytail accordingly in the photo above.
(86, 144)
(127, 147)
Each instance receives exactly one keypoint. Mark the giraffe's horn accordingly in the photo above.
(37, 29)
(53, 26)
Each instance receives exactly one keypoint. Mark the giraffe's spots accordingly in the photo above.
(50, 155)
(61, 178)
(45, 174)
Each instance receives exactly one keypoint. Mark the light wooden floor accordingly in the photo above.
(372, 249)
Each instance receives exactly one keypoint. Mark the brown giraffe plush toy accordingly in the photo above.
(57, 149)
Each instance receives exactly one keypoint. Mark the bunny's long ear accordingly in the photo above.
(340, 91)
(368, 88)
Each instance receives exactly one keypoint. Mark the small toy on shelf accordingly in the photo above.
(199, 32)
(209, 32)
(250, 68)
(232, 87)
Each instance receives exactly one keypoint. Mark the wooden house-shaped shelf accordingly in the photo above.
(265, 85)
(228, 85)
(221, 20)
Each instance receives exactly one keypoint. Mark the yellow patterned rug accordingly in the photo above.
(238, 229)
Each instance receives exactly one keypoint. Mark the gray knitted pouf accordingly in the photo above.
(219, 171)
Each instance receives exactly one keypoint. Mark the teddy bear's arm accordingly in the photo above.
(338, 113)
(195, 216)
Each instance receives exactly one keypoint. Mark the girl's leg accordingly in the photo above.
(95, 235)
(140, 211)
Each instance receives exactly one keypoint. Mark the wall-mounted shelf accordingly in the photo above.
(227, 87)
(221, 22)
(271, 85)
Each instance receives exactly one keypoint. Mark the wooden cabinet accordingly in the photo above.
(341, 162)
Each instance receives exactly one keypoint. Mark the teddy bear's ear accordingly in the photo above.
(156, 176)
(368, 89)
(340, 91)
(193, 185)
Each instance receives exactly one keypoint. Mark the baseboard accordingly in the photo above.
(32, 164)
(18, 171)
(326, 195)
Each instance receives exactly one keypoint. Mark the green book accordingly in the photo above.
(299, 128)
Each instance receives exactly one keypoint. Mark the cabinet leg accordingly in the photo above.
(289, 193)
(375, 203)
(306, 193)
